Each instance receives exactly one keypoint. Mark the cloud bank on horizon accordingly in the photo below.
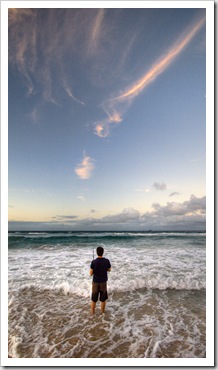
(189, 215)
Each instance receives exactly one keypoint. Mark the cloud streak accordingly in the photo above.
(115, 107)
(63, 217)
(70, 94)
(173, 194)
(96, 30)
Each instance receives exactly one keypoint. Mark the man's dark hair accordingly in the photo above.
(100, 251)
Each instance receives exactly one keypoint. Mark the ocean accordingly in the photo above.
(156, 287)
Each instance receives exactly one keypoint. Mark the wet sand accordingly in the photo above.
(51, 324)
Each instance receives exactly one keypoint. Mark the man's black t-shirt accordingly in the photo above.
(100, 267)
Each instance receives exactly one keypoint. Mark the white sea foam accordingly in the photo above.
(49, 323)
(132, 268)
(156, 299)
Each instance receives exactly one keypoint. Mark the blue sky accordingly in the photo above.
(107, 119)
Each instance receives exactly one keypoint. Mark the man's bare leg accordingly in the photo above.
(103, 304)
(93, 307)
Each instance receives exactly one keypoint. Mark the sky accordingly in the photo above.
(107, 119)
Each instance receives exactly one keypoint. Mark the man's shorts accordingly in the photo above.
(99, 288)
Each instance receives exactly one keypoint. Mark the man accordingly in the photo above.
(98, 269)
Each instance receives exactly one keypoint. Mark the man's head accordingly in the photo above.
(100, 251)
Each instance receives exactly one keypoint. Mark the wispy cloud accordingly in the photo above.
(173, 194)
(22, 43)
(69, 92)
(159, 186)
(64, 217)
(96, 30)
(85, 168)
(45, 43)
(102, 128)
(142, 190)
(81, 197)
(15, 14)
(116, 106)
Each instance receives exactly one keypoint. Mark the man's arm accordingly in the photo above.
(91, 272)
(109, 266)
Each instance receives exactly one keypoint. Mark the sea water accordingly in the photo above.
(156, 288)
